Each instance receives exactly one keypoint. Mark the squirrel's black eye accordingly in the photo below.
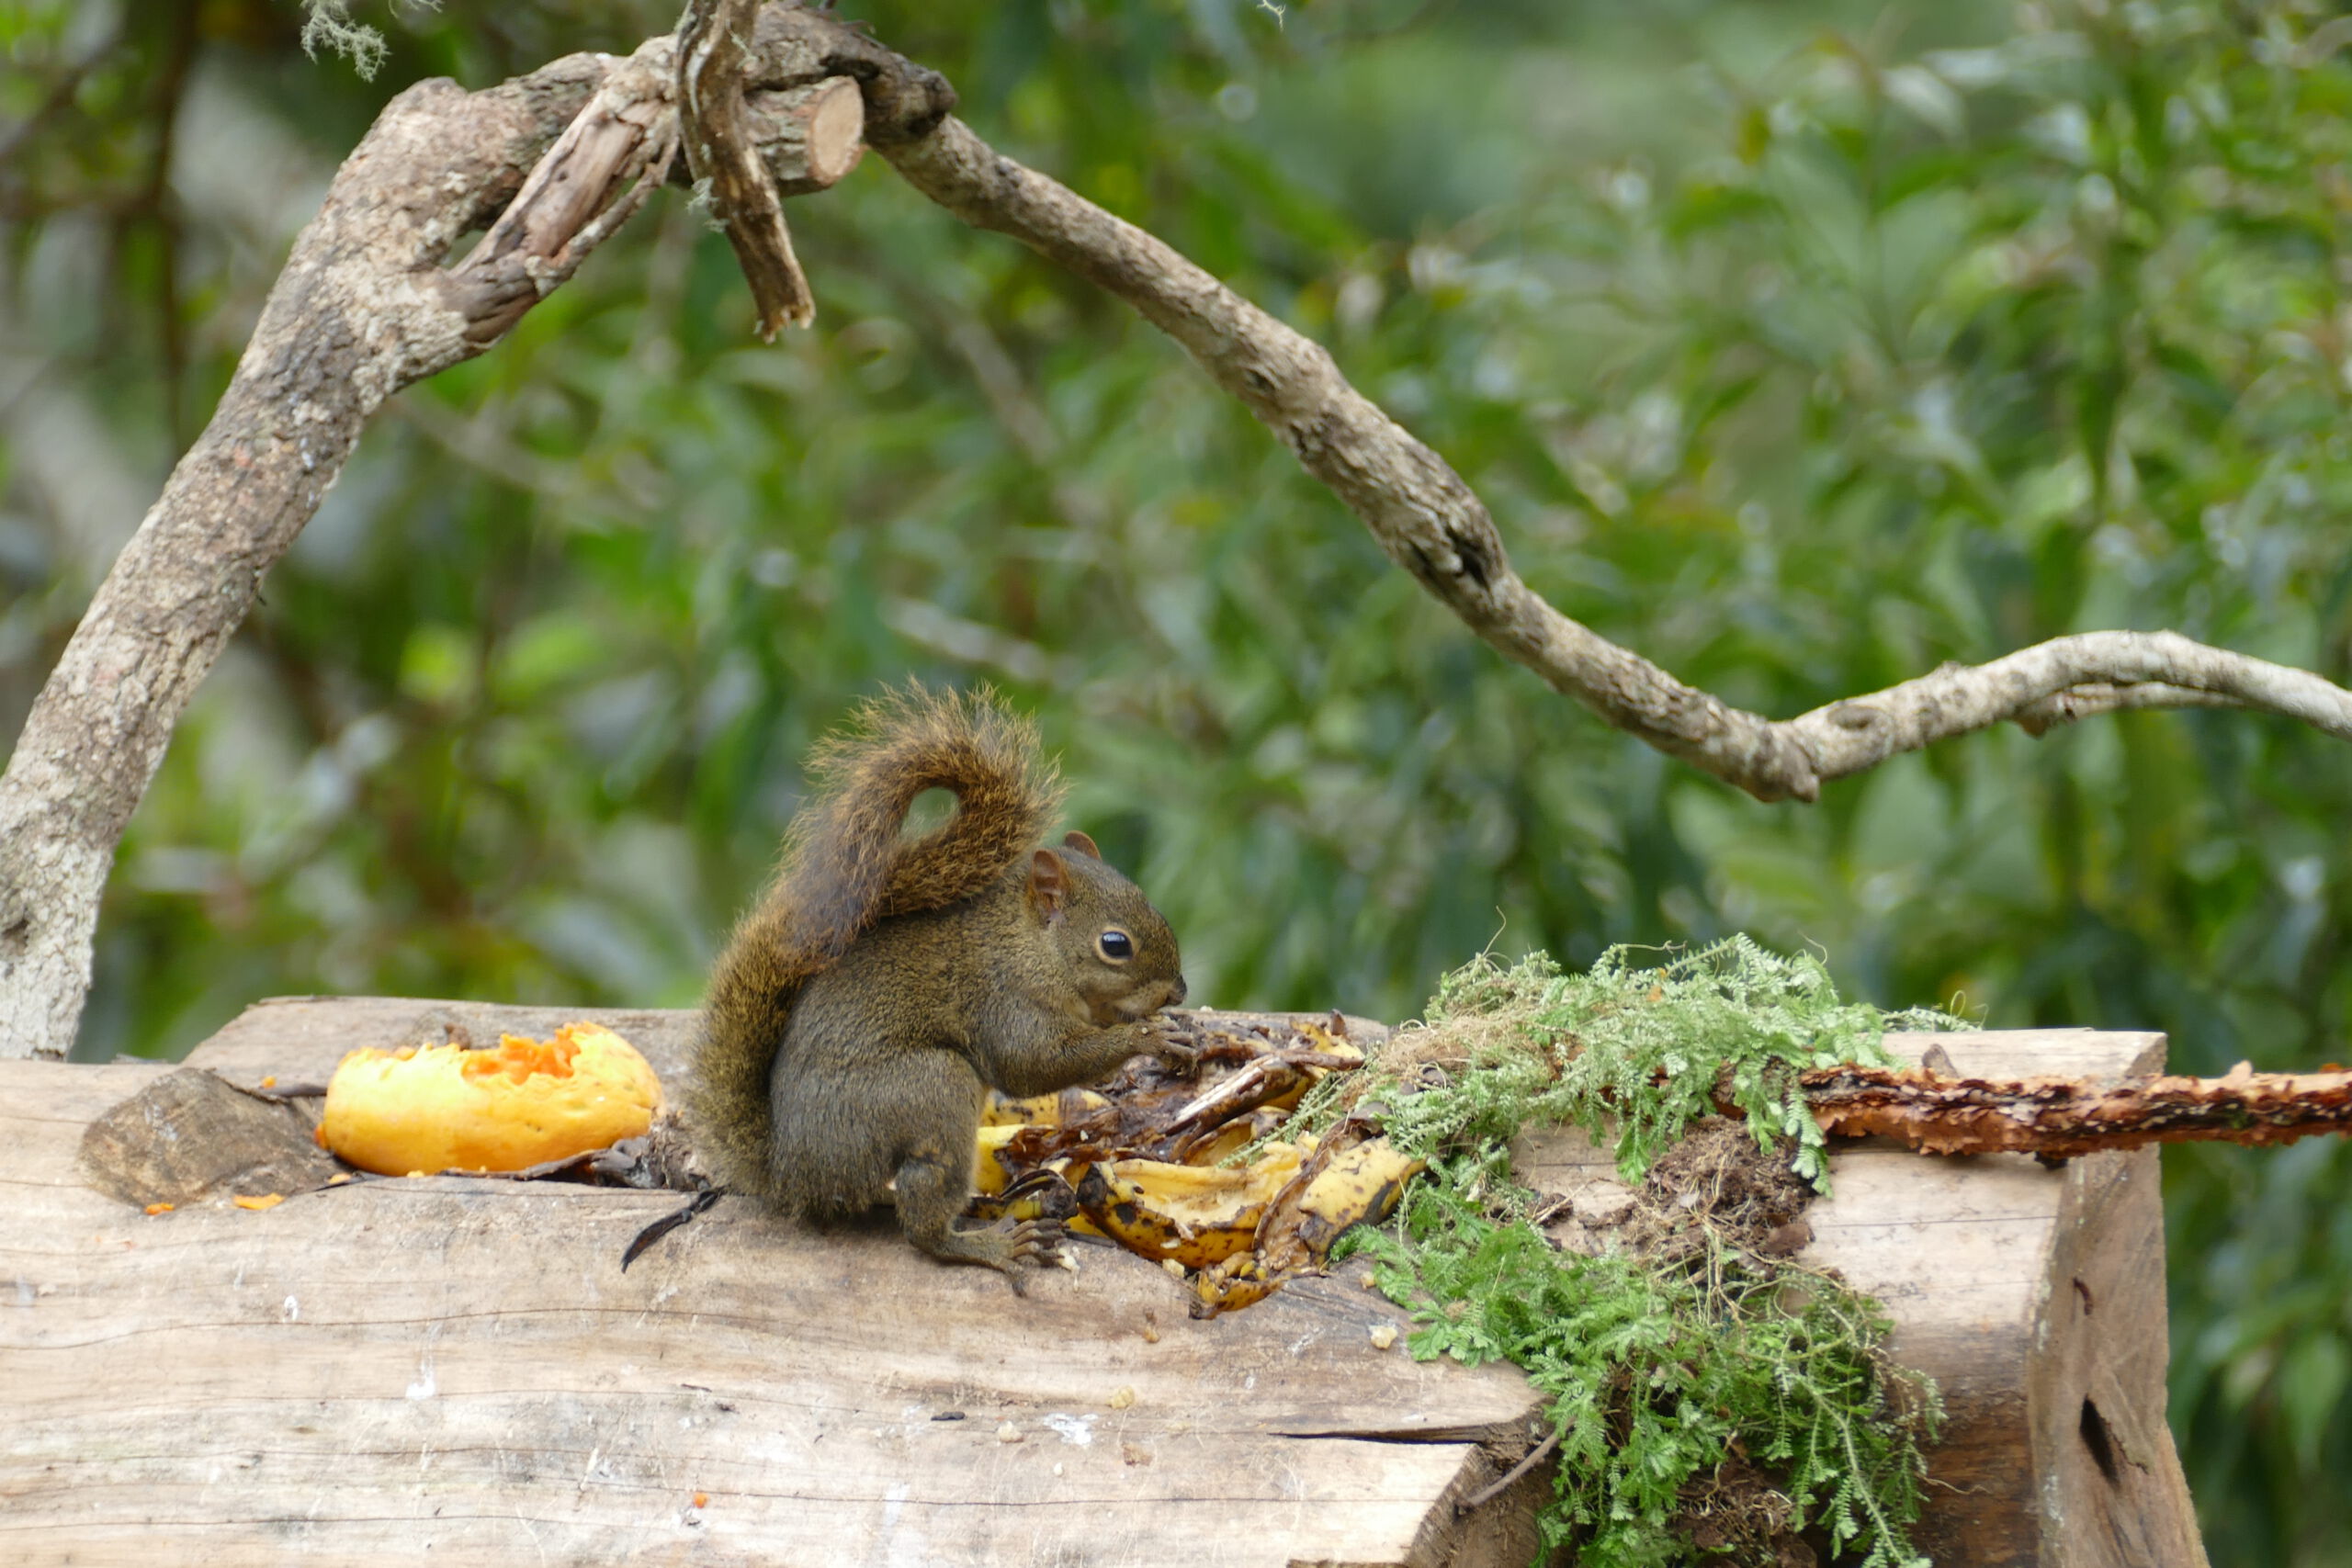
(1116, 945)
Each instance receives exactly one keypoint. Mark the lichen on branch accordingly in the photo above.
(327, 25)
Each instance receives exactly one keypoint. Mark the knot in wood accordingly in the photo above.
(1856, 716)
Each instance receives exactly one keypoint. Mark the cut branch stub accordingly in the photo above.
(903, 101)
(808, 138)
(713, 125)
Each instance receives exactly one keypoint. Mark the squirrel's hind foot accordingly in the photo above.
(931, 1194)
(1003, 1246)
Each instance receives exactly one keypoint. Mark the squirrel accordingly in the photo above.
(881, 986)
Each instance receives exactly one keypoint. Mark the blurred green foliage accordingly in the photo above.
(1800, 346)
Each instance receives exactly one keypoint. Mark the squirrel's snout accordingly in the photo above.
(1175, 993)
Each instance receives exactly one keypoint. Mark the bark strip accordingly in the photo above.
(2058, 1118)
(713, 56)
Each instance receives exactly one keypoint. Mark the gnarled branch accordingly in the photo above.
(556, 160)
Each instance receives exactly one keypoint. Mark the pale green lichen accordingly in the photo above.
(327, 24)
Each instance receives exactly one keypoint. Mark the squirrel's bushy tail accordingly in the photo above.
(843, 848)
(845, 866)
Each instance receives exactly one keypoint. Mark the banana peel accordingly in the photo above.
(1360, 1184)
(1059, 1110)
(1035, 1195)
(1239, 1281)
(1198, 1215)
(1141, 1165)
(1353, 1178)
(990, 1176)
(1215, 1145)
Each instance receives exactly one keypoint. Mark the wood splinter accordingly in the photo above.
(1511, 1478)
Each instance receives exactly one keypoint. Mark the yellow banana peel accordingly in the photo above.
(1196, 1215)
(1237, 1282)
(1362, 1183)
(989, 1176)
(1238, 1233)
(1042, 1109)
(1352, 1178)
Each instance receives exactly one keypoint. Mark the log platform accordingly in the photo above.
(364, 1373)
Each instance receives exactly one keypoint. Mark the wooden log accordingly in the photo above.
(367, 1373)
(190, 1136)
(361, 1372)
(2034, 1296)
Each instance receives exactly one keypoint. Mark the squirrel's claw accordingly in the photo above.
(1034, 1238)
(1174, 1052)
(1038, 1241)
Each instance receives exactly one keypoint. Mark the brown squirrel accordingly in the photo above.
(882, 986)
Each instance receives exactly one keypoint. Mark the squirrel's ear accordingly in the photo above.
(1074, 840)
(1049, 884)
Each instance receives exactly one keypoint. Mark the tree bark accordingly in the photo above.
(713, 54)
(1943, 1112)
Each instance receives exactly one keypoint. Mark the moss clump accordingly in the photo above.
(1713, 1402)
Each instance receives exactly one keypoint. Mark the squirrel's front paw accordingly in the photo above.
(1173, 1048)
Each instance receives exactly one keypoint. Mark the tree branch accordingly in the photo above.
(558, 159)
(2061, 680)
(365, 306)
(712, 56)
(596, 175)
(1432, 524)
